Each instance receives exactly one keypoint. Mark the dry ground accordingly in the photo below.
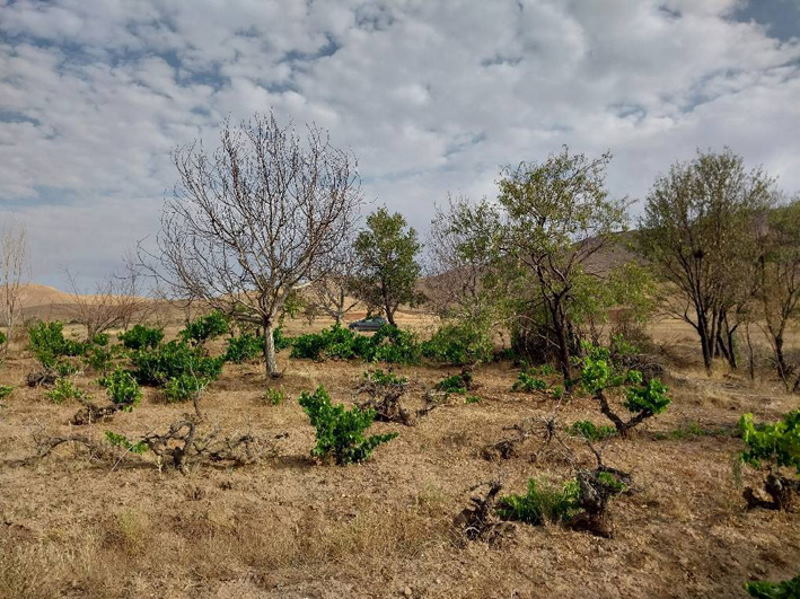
(71, 527)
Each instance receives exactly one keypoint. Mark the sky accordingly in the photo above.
(432, 97)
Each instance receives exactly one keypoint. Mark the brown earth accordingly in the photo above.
(288, 527)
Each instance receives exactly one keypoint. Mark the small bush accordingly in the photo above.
(776, 446)
(204, 328)
(542, 503)
(388, 344)
(63, 391)
(599, 374)
(589, 430)
(122, 389)
(472, 399)
(243, 348)
(3, 338)
(340, 432)
(528, 383)
(118, 440)
(172, 360)
(457, 383)
(48, 344)
(5, 391)
(140, 337)
(393, 345)
(184, 387)
(100, 339)
(281, 341)
(274, 397)
(762, 589)
(459, 345)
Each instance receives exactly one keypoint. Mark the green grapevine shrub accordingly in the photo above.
(541, 503)
(244, 348)
(3, 338)
(385, 378)
(589, 430)
(762, 589)
(5, 391)
(458, 383)
(528, 383)
(184, 387)
(340, 432)
(157, 365)
(472, 399)
(776, 446)
(100, 339)
(643, 399)
(118, 440)
(205, 327)
(459, 345)
(63, 391)
(281, 341)
(48, 344)
(393, 345)
(122, 389)
(140, 337)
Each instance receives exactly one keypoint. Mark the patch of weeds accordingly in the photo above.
(273, 397)
(543, 502)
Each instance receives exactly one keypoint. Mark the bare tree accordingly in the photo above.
(330, 293)
(116, 302)
(251, 221)
(14, 268)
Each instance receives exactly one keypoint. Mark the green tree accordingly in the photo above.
(698, 232)
(777, 284)
(388, 269)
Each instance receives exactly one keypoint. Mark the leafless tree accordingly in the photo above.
(330, 294)
(14, 269)
(251, 221)
(117, 301)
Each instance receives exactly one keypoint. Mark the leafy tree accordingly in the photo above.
(698, 231)
(387, 269)
(777, 284)
(549, 219)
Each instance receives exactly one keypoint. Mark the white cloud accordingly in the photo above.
(432, 97)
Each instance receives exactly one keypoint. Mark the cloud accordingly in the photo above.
(432, 97)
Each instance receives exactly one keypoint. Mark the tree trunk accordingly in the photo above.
(705, 342)
(270, 362)
(560, 327)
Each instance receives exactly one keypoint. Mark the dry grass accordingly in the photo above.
(70, 527)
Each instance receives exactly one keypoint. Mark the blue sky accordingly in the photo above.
(432, 97)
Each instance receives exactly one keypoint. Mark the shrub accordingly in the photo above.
(528, 383)
(331, 343)
(206, 327)
(118, 440)
(393, 345)
(100, 358)
(340, 432)
(5, 391)
(458, 383)
(158, 365)
(64, 390)
(459, 345)
(122, 389)
(762, 589)
(140, 337)
(3, 338)
(100, 339)
(589, 430)
(281, 341)
(274, 397)
(243, 348)
(184, 387)
(644, 400)
(542, 503)
(777, 446)
(384, 378)
(47, 343)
